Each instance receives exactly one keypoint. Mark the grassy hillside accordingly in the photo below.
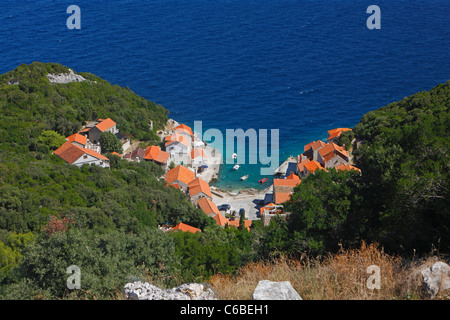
(340, 276)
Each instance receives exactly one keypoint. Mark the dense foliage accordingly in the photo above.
(110, 143)
(30, 104)
(53, 214)
(402, 197)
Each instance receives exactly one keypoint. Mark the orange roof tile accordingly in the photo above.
(286, 182)
(280, 197)
(198, 185)
(184, 127)
(175, 185)
(346, 167)
(76, 137)
(336, 133)
(151, 152)
(314, 145)
(293, 176)
(63, 148)
(156, 154)
(312, 166)
(208, 206)
(283, 188)
(301, 165)
(186, 228)
(105, 124)
(197, 152)
(180, 173)
(266, 207)
(176, 137)
(236, 223)
(70, 153)
(220, 220)
(332, 148)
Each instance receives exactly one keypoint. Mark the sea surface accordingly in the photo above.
(299, 67)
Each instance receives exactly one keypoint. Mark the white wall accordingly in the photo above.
(91, 160)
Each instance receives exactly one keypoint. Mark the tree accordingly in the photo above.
(110, 143)
(242, 220)
(107, 261)
(52, 139)
(320, 207)
(9, 258)
(57, 225)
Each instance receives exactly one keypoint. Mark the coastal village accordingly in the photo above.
(190, 165)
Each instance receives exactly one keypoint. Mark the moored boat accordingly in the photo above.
(244, 177)
(263, 180)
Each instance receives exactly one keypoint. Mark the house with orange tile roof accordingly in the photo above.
(208, 207)
(198, 189)
(220, 220)
(334, 134)
(185, 228)
(346, 167)
(73, 154)
(301, 166)
(283, 189)
(178, 144)
(184, 129)
(181, 176)
(293, 176)
(137, 154)
(156, 155)
(312, 148)
(332, 155)
(271, 210)
(62, 148)
(236, 223)
(77, 139)
(308, 167)
(103, 125)
(224, 222)
(198, 157)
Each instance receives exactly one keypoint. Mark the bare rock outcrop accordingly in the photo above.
(270, 290)
(436, 278)
(189, 291)
(65, 77)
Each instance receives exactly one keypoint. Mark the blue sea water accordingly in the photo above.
(302, 67)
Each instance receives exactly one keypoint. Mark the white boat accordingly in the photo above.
(244, 177)
(236, 166)
(234, 156)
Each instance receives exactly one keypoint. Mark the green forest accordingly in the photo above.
(105, 220)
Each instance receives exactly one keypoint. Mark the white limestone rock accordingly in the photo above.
(65, 77)
(436, 278)
(270, 290)
(188, 291)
